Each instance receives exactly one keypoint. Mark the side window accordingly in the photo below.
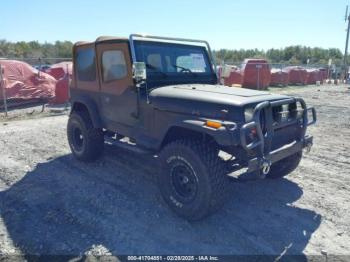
(113, 65)
(85, 62)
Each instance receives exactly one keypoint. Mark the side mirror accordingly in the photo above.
(139, 71)
(226, 71)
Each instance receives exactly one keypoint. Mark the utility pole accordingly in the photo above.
(2, 86)
(347, 18)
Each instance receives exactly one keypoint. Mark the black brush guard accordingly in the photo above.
(265, 157)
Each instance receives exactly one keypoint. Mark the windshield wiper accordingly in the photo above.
(157, 70)
(184, 69)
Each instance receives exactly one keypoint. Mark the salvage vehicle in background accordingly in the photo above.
(161, 96)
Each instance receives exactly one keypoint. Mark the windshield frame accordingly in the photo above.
(172, 39)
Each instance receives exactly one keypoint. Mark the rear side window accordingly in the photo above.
(113, 65)
(85, 63)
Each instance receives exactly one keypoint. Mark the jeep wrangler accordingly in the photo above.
(161, 96)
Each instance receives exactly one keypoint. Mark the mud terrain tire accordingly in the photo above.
(85, 141)
(192, 178)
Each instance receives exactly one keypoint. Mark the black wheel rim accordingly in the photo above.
(78, 139)
(184, 181)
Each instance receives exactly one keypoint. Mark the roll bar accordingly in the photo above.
(175, 39)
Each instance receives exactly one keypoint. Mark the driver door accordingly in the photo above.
(118, 96)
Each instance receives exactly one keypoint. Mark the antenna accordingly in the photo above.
(347, 18)
(346, 13)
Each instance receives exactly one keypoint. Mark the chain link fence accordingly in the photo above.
(34, 86)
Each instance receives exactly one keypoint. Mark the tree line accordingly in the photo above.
(295, 55)
(288, 55)
(34, 50)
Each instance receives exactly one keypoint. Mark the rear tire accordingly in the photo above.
(285, 166)
(192, 181)
(85, 141)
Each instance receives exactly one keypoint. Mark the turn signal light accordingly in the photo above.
(254, 131)
(213, 124)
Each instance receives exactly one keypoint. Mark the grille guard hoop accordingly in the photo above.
(265, 148)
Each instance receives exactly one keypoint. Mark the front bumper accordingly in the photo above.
(265, 157)
(279, 154)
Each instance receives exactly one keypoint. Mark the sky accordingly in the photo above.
(232, 24)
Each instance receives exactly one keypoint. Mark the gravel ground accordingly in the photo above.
(52, 204)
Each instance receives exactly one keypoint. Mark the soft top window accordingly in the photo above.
(85, 64)
(113, 65)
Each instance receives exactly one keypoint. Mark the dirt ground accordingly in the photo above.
(52, 204)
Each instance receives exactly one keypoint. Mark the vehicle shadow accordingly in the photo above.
(67, 207)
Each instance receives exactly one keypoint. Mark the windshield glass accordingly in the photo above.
(173, 60)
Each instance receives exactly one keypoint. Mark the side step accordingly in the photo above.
(125, 143)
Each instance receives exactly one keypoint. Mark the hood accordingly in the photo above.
(206, 99)
(213, 94)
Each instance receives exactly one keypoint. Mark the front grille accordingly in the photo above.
(286, 113)
(286, 123)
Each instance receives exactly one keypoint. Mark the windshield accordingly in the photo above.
(171, 62)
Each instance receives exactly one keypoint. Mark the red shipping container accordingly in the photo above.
(324, 73)
(297, 75)
(235, 78)
(61, 91)
(313, 75)
(279, 77)
(60, 70)
(256, 74)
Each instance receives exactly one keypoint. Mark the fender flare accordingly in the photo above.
(225, 135)
(91, 106)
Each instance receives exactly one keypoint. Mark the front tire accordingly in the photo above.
(85, 141)
(192, 181)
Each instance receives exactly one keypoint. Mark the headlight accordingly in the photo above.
(248, 114)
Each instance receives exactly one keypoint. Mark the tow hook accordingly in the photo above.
(265, 167)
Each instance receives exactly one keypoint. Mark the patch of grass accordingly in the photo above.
(32, 113)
